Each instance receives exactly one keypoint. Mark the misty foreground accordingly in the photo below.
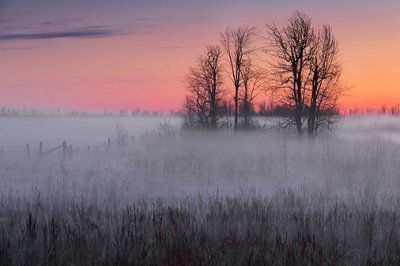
(169, 197)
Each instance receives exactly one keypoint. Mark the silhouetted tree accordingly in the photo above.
(291, 47)
(395, 110)
(204, 83)
(325, 84)
(307, 70)
(239, 47)
(254, 82)
(262, 108)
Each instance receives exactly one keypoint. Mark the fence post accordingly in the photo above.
(41, 148)
(28, 150)
(70, 149)
(64, 148)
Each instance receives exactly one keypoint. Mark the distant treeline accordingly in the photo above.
(262, 108)
(393, 110)
(31, 112)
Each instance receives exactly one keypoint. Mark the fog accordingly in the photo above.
(81, 131)
(148, 158)
(143, 191)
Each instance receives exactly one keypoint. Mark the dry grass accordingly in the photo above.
(288, 228)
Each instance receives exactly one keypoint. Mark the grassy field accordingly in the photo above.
(288, 228)
(156, 195)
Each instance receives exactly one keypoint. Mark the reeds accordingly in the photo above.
(289, 228)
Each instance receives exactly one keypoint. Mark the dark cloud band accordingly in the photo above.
(80, 33)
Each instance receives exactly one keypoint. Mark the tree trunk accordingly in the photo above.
(236, 106)
(246, 107)
(213, 110)
(298, 122)
(299, 107)
(311, 122)
(313, 105)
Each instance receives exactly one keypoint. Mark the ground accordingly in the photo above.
(132, 187)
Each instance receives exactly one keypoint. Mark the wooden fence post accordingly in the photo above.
(41, 148)
(64, 148)
(28, 150)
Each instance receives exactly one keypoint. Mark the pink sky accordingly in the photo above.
(142, 62)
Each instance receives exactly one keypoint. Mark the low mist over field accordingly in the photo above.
(138, 186)
(131, 158)
(79, 131)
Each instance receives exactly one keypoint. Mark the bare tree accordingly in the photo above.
(292, 48)
(254, 83)
(239, 46)
(325, 84)
(204, 83)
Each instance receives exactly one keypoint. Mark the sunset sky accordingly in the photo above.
(120, 54)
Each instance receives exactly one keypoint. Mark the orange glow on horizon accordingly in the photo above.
(147, 71)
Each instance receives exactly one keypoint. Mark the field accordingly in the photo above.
(140, 191)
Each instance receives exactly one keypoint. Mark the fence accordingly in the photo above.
(31, 150)
(64, 148)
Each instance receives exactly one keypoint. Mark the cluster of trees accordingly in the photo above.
(302, 72)
(383, 110)
(6, 111)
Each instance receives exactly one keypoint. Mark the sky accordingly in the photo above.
(123, 55)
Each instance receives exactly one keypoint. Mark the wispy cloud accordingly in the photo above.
(72, 28)
(87, 32)
(17, 48)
